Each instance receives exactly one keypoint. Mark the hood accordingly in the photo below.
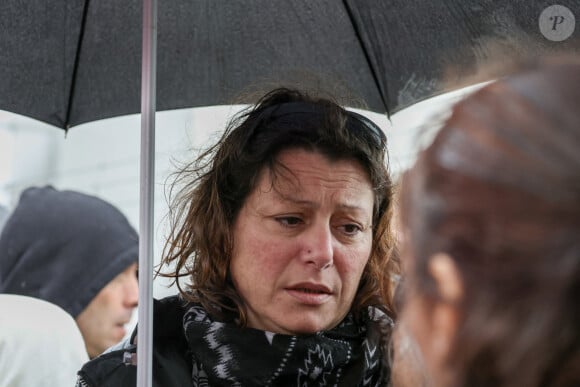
(64, 247)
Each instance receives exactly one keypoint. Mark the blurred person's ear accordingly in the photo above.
(444, 314)
(447, 277)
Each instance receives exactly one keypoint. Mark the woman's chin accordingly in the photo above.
(289, 319)
(306, 325)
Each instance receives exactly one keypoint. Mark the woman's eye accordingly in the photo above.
(289, 221)
(351, 229)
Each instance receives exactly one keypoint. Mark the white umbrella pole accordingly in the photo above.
(148, 107)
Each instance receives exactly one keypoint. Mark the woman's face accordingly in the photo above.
(301, 243)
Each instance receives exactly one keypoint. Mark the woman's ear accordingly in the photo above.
(445, 313)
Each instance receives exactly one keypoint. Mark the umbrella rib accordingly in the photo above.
(71, 91)
(355, 26)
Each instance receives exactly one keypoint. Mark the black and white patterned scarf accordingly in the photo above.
(350, 354)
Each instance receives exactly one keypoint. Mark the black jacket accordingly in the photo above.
(171, 361)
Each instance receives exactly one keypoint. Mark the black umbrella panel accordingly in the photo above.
(72, 61)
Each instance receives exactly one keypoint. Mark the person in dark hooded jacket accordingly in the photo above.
(78, 252)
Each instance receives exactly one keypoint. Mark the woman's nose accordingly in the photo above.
(318, 250)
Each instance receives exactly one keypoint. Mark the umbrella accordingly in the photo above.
(66, 62)
(72, 61)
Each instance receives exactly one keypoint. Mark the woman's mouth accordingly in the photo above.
(314, 291)
(310, 294)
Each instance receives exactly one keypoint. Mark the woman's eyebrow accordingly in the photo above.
(352, 207)
(313, 204)
(295, 200)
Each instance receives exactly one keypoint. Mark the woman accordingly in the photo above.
(282, 234)
(491, 226)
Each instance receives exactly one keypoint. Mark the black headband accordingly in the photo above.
(357, 123)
